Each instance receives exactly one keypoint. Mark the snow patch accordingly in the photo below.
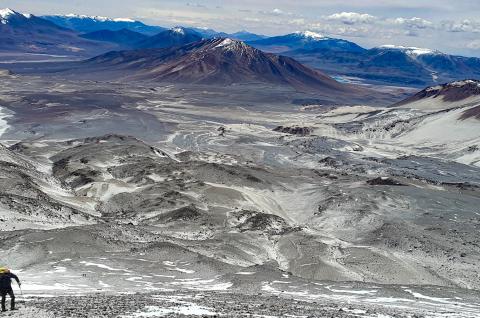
(123, 20)
(57, 269)
(230, 44)
(82, 16)
(179, 30)
(463, 83)
(226, 42)
(187, 309)
(5, 14)
(173, 267)
(434, 88)
(106, 190)
(104, 285)
(3, 123)
(102, 266)
(39, 287)
(98, 18)
(415, 51)
(432, 130)
(437, 299)
(311, 35)
(352, 291)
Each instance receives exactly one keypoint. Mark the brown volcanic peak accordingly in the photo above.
(220, 61)
(450, 92)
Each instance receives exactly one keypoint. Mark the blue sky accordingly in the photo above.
(449, 26)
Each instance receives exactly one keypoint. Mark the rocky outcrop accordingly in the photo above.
(294, 130)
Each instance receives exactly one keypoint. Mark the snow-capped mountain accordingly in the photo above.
(391, 64)
(306, 40)
(431, 66)
(219, 61)
(176, 36)
(413, 51)
(310, 35)
(449, 95)
(84, 23)
(11, 18)
(412, 66)
(5, 14)
(28, 33)
(448, 121)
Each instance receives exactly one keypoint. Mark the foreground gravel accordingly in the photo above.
(205, 304)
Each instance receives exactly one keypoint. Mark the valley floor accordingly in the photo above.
(202, 200)
(224, 304)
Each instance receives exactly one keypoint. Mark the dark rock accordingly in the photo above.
(295, 130)
(384, 181)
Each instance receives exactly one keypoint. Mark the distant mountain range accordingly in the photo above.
(176, 36)
(304, 41)
(385, 64)
(396, 65)
(86, 24)
(86, 36)
(28, 33)
(241, 35)
(126, 39)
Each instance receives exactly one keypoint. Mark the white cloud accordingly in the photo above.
(276, 12)
(335, 30)
(297, 22)
(196, 5)
(413, 23)
(411, 33)
(351, 18)
(474, 45)
(461, 26)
